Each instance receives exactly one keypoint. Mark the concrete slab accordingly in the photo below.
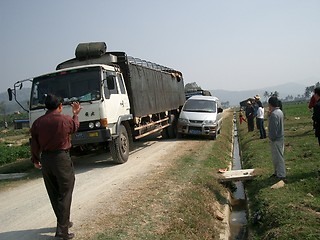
(237, 175)
(12, 176)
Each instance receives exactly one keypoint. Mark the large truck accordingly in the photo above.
(123, 98)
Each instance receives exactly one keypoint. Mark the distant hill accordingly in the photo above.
(235, 97)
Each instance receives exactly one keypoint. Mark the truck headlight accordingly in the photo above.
(98, 124)
(91, 125)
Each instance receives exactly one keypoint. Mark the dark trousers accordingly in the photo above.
(261, 128)
(59, 178)
(257, 123)
(250, 124)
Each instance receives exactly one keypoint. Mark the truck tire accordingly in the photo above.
(180, 135)
(164, 133)
(172, 129)
(119, 147)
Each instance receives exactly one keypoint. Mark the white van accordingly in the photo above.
(200, 115)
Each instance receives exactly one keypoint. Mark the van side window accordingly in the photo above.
(107, 91)
(121, 84)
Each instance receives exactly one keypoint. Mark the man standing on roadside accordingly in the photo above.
(316, 113)
(276, 136)
(250, 116)
(50, 144)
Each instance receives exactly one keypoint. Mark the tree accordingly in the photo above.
(2, 107)
(266, 95)
(308, 91)
(275, 94)
(225, 104)
(3, 110)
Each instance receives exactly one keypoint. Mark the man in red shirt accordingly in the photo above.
(50, 144)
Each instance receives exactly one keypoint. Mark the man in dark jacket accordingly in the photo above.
(316, 113)
(50, 144)
(250, 116)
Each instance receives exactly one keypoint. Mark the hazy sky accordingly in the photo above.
(219, 44)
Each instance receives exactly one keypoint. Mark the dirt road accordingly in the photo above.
(26, 212)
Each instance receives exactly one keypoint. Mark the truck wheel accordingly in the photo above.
(165, 133)
(119, 147)
(179, 135)
(172, 129)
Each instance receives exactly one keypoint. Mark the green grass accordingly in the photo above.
(292, 212)
(9, 153)
(181, 202)
(14, 150)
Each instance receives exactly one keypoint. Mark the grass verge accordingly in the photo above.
(182, 202)
(14, 146)
(291, 212)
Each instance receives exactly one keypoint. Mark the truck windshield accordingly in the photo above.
(81, 85)
(195, 105)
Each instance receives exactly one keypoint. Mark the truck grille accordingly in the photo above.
(195, 128)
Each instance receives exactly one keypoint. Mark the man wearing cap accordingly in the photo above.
(276, 136)
(50, 144)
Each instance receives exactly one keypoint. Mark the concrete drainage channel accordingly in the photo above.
(239, 214)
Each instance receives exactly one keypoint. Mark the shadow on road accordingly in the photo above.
(34, 234)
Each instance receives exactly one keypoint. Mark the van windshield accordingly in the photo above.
(196, 105)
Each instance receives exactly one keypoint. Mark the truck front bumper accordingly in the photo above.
(93, 136)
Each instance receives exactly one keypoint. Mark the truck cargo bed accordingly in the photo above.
(151, 88)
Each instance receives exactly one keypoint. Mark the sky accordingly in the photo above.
(219, 44)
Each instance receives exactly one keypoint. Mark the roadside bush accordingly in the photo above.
(9, 154)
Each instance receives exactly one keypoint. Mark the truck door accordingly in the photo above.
(116, 94)
(124, 99)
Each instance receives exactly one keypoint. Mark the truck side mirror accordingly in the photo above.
(220, 110)
(110, 82)
(10, 94)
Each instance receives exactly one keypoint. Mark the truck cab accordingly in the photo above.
(99, 88)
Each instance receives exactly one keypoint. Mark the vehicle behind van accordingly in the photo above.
(200, 115)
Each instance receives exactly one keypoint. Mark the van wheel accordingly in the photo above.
(119, 147)
(213, 137)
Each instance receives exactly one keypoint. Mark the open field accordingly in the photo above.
(291, 212)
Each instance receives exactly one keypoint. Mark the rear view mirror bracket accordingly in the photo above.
(12, 92)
